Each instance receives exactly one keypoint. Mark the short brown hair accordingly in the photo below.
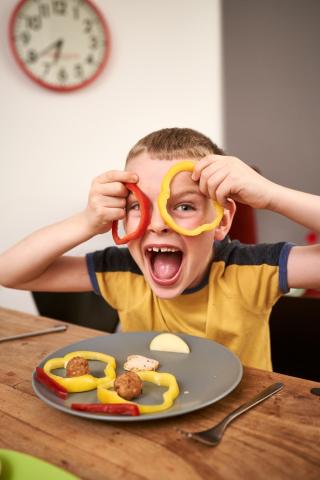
(172, 143)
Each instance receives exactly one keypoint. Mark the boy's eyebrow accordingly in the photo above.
(131, 196)
(179, 193)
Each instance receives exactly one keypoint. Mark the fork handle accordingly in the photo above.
(268, 392)
(56, 328)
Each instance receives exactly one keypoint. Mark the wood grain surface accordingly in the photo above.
(279, 439)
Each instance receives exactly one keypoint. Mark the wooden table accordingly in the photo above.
(279, 439)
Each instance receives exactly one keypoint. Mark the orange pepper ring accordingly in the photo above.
(187, 166)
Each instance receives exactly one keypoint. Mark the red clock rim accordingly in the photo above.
(57, 88)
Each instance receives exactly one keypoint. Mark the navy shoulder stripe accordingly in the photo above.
(236, 253)
(114, 259)
(92, 273)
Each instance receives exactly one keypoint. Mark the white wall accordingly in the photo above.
(164, 70)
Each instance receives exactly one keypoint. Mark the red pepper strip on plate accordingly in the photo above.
(51, 384)
(115, 408)
(144, 218)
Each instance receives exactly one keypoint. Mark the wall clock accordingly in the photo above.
(62, 45)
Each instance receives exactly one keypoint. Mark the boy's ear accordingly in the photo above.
(224, 226)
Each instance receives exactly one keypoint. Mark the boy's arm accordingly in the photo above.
(38, 262)
(304, 261)
(223, 177)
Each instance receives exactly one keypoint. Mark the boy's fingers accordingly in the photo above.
(115, 214)
(200, 166)
(106, 214)
(215, 180)
(111, 202)
(117, 176)
(223, 192)
(213, 161)
(114, 189)
(210, 179)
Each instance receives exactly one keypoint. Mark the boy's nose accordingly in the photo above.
(157, 223)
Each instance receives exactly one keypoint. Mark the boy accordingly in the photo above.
(203, 285)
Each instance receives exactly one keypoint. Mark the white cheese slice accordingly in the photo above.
(169, 342)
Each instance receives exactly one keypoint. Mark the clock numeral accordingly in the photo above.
(46, 68)
(93, 43)
(44, 10)
(34, 22)
(59, 7)
(25, 37)
(62, 75)
(32, 56)
(87, 25)
(90, 59)
(78, 70)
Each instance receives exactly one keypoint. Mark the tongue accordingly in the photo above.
(166, 265)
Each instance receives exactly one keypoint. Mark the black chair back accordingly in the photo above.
(85, 308)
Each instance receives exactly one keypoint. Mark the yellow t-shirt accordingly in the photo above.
(231, 305)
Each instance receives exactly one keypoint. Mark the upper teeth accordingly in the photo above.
(162, 249)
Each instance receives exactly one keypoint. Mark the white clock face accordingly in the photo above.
(61, 44)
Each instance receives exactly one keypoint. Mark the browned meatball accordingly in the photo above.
(77, 366)
(128, 385)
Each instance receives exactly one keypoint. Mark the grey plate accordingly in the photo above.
(205, 375)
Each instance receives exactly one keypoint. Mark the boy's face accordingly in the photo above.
(169, 273)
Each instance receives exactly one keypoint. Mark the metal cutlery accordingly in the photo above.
(57, 328)
(315, 391)
(213, 435)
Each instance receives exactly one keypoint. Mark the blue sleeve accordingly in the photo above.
(92, 273)
(283, 267)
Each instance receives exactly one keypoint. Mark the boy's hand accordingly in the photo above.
(222, 177)
(107, 199)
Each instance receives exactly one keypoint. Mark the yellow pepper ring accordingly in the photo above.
(105, 395)
(165, 193)
(83, 383)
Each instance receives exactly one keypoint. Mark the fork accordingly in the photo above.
(213, 435)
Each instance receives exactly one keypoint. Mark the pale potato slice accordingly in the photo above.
(169, 342)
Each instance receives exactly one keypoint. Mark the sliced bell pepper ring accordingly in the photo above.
(165, 193)
(83, 383)
(111, 408)
(105, 395)
(50, 383)
(144, 217)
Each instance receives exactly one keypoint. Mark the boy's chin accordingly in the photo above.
(166, 292)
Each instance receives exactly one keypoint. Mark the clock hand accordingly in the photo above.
(56, 56)
(56, 45)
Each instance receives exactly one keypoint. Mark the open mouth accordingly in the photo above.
(164, 264)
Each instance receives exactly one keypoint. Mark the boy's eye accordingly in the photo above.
(133, 206)
(185, 207)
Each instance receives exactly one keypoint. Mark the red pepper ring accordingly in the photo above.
(144, 218)
(109, 408)
(50, 383)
